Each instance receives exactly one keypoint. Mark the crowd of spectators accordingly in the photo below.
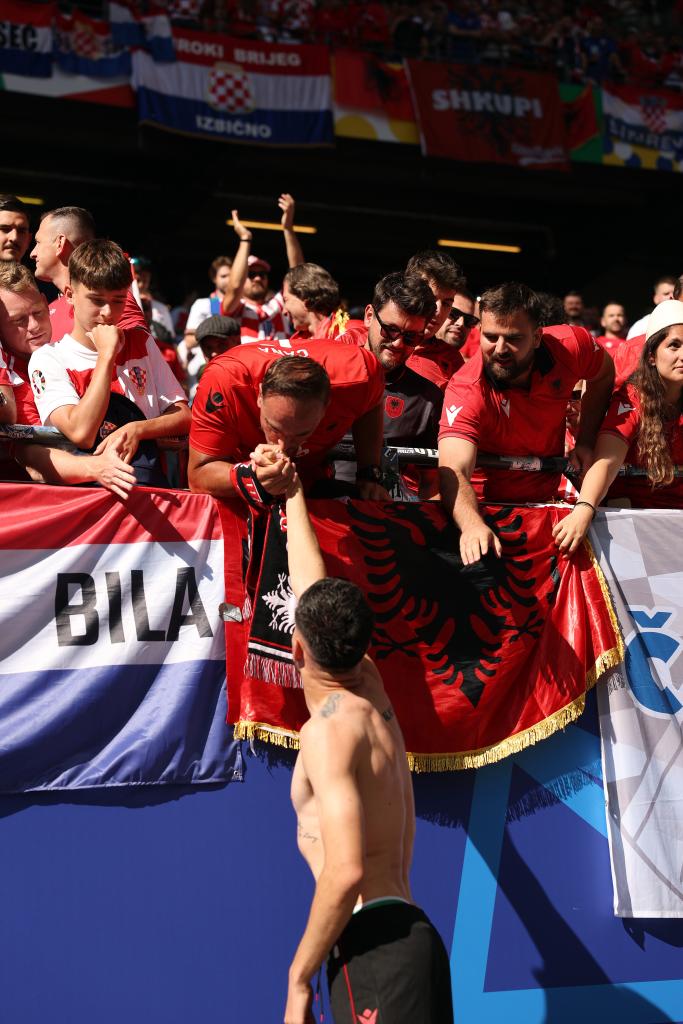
(508, 374)
(593, 41)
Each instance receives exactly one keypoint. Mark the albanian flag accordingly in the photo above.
(478, 661)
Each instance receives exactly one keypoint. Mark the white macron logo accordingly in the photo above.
(623, 407)
(451, 413)
(505, 406)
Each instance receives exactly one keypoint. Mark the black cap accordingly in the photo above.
(217, 327)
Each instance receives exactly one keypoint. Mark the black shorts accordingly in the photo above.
(389, 966)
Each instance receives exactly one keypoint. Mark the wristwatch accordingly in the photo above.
(371, 473)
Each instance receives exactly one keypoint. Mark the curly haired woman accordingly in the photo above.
(643, 427)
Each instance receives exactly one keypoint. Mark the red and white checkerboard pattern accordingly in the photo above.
(85, 42)
(654, 115)
(230, 90)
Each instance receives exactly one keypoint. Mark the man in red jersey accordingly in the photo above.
(60, 232)
(442, 358)
(512, 399)
(432, 358)
(301, 403)
(613, 322)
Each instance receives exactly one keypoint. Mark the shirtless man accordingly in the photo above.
(353, 798)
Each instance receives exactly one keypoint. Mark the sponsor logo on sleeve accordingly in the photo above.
(451, 413)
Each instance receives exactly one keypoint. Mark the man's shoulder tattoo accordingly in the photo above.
(330, 705)
(388, 714)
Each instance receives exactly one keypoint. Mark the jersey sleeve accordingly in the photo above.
(375, 391)
(50, 383)
(132, 315)
(199, 311)
(587, 353)
(214, 417)
(8, 378)
(461, 412)
(623, 417)
(166, 384)
(272, 307)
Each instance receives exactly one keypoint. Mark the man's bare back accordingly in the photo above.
(362, 722)
(353, 799)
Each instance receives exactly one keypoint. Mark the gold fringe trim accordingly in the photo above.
(612, 658)
(497, 751)
(267, 734)
(339, 322)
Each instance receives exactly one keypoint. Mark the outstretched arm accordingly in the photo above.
(295, 254)
(239, 268)
(306, 565)
(8, 408)
(457, 459)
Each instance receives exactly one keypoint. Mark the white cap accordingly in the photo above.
(665, 314)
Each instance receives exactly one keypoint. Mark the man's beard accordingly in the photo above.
(502, 377)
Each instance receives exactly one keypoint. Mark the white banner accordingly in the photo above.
(641, 710)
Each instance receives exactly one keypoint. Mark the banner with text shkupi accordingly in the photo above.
(488, 115)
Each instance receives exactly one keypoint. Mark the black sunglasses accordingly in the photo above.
(251, 274)
(469, 319)
(390, 332)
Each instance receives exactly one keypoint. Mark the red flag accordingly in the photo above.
(479, 661)
(365, 82)
(581, 120)
(491, 115)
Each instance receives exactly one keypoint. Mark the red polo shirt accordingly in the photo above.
(226, 418)
(626, 358)
(437, 361)
(520, 421)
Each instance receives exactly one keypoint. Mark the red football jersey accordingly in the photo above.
(520, 421)
(437, 362)
(62, 316)
(226, 418)
(23, 396)
(626, 358)
(623, 420)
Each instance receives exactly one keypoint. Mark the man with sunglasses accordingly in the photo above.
(431, 358)
(441, 358)
(402, 307)
(248, 296)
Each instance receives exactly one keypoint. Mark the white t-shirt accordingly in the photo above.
(60, 373)
(200, 310)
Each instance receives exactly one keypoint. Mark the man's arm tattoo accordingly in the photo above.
(388, 714)
(330, 705)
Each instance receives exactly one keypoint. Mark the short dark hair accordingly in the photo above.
(77, 223)
(436, 266)
(100, 264)
(665, 279)
(11, 204)
(215, 266)
(335, 620)
(410, 293)
(314, 286)
(553, 309)
(513, 297)
(297, 377)
(678, 287)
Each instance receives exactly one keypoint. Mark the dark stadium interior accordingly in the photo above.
(607, 231)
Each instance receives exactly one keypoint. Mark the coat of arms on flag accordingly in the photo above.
(229, 89)
(139, 378)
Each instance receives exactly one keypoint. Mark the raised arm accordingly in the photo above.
(457, 459)
(295, 254)
(306, 565)
(240, 266)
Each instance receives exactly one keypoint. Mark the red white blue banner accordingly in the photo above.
(85, 46)
(236, 91)
(26, 38)
(111, 643)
